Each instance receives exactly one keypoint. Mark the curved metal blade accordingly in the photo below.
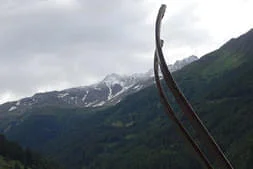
(186, 108)
(173, 117)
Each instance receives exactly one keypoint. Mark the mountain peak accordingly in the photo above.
(187, 60)
(181, 63)
(250, 31)
(193, 57)
(112, 76)
(241, 42)
(112, 79)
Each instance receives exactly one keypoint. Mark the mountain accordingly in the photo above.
(110, 91)
(135, 133)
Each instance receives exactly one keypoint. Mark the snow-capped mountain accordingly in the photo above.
(111, 90)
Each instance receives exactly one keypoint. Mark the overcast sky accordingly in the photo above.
(55, 44)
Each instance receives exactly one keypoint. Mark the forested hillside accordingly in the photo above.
(13, 156)
(136, 133)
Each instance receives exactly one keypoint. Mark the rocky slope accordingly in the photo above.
(111, 90)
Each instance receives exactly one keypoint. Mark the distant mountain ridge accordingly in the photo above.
(109, 91)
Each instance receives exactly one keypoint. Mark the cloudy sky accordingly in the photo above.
(55, 44)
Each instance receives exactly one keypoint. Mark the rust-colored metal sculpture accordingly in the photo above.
(219, 160)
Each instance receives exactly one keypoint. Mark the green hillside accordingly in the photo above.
(13, 156)
(136, 133)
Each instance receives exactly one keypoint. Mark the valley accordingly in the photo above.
(134, 132)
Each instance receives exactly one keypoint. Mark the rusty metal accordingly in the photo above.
(220, 161)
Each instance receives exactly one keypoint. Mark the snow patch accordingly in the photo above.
(85, 96)
(90, 104)
(138, 87)
(97, 88)
(99, 104)
(123, 90)
(118, 101)
(109, 97)
(12, 108)
(18, 103)
(61, 95)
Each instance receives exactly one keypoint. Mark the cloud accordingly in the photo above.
(56, 44)
(59, 44)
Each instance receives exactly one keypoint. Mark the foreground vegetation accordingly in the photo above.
(13, 156)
